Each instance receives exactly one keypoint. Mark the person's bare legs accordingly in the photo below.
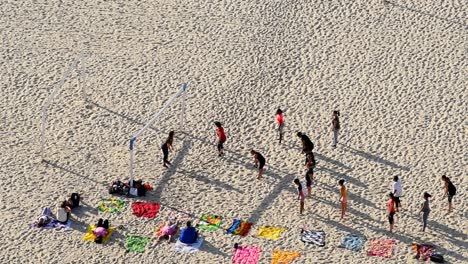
(260, 173)
(309, 191)
(301, 208)
(343, 210)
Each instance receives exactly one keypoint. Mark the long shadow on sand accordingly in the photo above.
(69, 170)
(375, 158)
(209, 181)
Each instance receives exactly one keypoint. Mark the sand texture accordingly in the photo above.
(397, 71)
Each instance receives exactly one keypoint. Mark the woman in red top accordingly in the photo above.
(391, 211)
(280, 122)
(221, 138)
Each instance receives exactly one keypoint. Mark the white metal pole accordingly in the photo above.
(132, 145)
(43, 126)
(183, 117)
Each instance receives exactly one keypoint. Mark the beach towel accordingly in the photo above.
(159, 230)
(54, 224)
(89, 236)
(246, 255)
(353, 242)
(313, 237)
(136, 243)
(111, 205)
(209, 222)
(284, 257)
(381, 248)
(239, 227)
(270, 232)
(147, 210)
(188, 248)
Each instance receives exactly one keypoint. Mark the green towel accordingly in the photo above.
(136, 243)
(209, 222)
(111, 205)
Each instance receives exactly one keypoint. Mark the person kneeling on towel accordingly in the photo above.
(189, 234)
(101, 231)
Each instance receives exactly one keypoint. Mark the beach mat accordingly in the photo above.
(136, 243)
(270, 232)
(188, 248)
(89, 236)
(144, 209)
(246, 255)
(54, 224)
(239, 227)
(209, 222)
(381, 248)
(313, 237)
(111, 205)
(353, 242)
(284, 257)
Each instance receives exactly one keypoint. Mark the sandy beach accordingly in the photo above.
(396, 70)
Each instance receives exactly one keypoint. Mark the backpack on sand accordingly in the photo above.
(75, 200)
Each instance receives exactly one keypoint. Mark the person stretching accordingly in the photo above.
(450, 191)
(220, 138)
(259, 162)
(101, 231)
(166, 147)
(307, 145)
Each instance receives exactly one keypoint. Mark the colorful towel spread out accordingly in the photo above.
(148, 210)
(240, 228)
(111, 205)
(246, 255)
(136, 243)
(188, 248)
(270, 232)
(423, 251)
(353, 242)
(158, 231)
(284, 257)
(210, 222)
(313, 237)
(89, 236)
(54, 224)
(381, 248)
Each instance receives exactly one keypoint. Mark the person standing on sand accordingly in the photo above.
(397, 191)
(259, 162)
(343, 197)
(280, 122)
(166, 147)
(310, 165)
(307, 145)
(220, 138)
(425, 210)
(450, 191)
(391, 211)
(300, 195)
(335, 127)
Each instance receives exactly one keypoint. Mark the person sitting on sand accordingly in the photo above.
(189, 234)
(63, 212)
(101, 231)
(167, 231)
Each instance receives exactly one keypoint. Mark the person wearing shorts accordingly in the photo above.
(259, 162)
(300, 195)
(450, 190)
(397, 191)
(391, 211)
(220, 138)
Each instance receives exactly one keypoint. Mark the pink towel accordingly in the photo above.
(246, 255)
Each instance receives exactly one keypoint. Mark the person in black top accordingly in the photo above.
(335, 127)
(307, 145)
(259, 162)
(450, 191)
(166, 147)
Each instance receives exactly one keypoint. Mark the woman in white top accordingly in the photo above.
(397, 191)
(63, 212)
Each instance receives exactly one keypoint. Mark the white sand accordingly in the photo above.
(396, 72)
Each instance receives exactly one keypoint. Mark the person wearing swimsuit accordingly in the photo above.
(259, 162)
(343, 197)
(166, 147)
(309, 164)
(300, 195)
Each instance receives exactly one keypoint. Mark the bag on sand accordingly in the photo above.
(437, 258)
(75, 200)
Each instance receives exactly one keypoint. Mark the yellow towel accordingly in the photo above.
(284, 257)
(270, 232)
(89, 236)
